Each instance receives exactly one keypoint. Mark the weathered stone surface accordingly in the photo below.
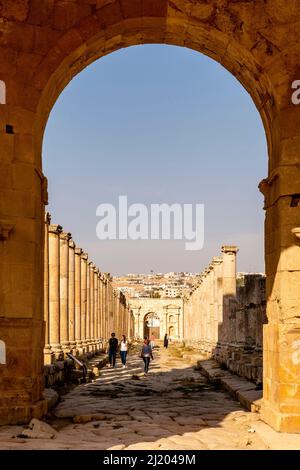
(239, 388)
(88, 418)
(39, 430)
(196, 419)
(228, 426)
(51, 396)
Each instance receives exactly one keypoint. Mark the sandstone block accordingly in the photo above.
(39, 430)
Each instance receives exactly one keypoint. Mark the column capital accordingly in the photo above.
(47, 218)
(217, 260)
(72, 244)
(78, 251)
(57, 229)
(84, 256)
(232, 249)
(282, 181)
(65, 236)
(117, 293)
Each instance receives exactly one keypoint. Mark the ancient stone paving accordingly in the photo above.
(174, 407)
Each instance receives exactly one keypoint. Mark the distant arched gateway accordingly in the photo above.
(156, 316)
(152, 325)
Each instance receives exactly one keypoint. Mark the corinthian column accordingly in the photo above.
(71, 303)
(64, 290)
(218, 303)
(105, 304)
(229, 292)
(88, 308)
(99, 309)
(78, 252)
(229, 270)
(54, 290)
(84, 258)
(96, 310)
(48, 355)
(92, 337)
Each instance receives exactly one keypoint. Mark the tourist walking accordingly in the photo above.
(152, 341)
(146, 354)
(112, 350)
(123, 350)
(166, 341)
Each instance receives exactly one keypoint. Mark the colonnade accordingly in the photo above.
(207, 307)
(225, 313)
(81, 307)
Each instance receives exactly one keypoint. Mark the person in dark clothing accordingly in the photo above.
(112, 349)
(166, 341)
(146, 354)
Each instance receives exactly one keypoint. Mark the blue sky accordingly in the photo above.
(158, 124)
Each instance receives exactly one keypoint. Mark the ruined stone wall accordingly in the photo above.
(81, 308)
(240, 348)
(224, 316)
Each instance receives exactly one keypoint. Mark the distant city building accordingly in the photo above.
(171, 292)
(155, 285)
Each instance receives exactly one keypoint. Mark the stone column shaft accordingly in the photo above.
(99, 306)
(229, 289)
(48, 355)
(78, 252)
(71, 303)
(64, 290)
(88, 306)
(102, 325)
(92, 306)
(96, 311)
(54, 289)
(83, 274)
(178, 324)
(229, 270)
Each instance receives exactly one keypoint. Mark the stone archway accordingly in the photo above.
(151, 325)
(42, 49)
(171, 332)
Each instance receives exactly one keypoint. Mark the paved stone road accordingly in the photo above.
(172, 408)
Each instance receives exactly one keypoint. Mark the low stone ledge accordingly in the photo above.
(65, 371)
(239, 388)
